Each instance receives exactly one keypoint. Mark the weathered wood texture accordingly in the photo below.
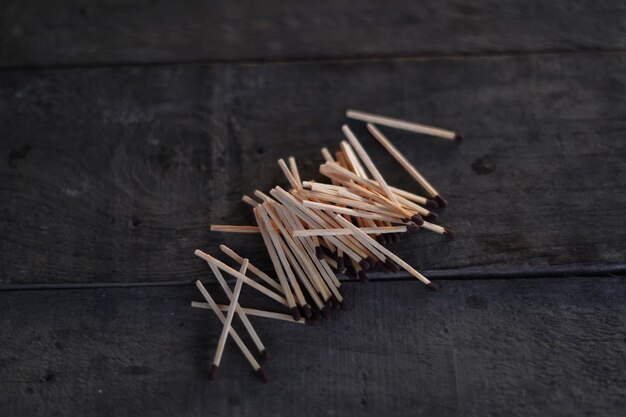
(37, 33)
(113, 175)
(477, 348)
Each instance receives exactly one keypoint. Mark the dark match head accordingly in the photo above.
(433, 286)
(326, 313)
(317, 314)
(342, 291)
(431, 204)
(262, 375)
(329, 303)
(295, 313)
(412, 228)
(341, 264)
(458, 138)
(440, 201)
(449, 233)
(395, 237)
(306, 311)
(364, 264)
(363, 277)
(265, 356)
(319, 252)
(417, 219)
(432, 217)
(336, 303)
(381, 239)
(383, 267)
(393, 267)
(213, 372)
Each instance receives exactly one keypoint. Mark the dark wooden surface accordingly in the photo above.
(531, 347)
(127, 127)
(66, 32)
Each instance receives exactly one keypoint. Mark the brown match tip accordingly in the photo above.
(264, 355)
(458, 138)
(329, 303)
(431, 204)
(262, 375)
(341, 264)
(295, 313)
(364, 264)
(213, 372)
(392, 265)
(319, 252)
(336, 303)
(326, 313)
(417, 219)
(342, 291)
(317, 314)
(433, 286)
(306, 311)
(449, 233)
(381, 239)
(395, 237)
(312, 322)
(432, 217)
(412, 228)
(440, 201)
(363, 277)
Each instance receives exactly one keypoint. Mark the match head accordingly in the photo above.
(433, 286)
(329, 303)
(213, 372)
(363, 277)
(440, 201)
(317, 314)
(319, 252)
(295, 313)
(412, 228)
(336, 303)
(449, 233)
(395, 237)
(342, 291)
(458, 138)
(381, 239)
(431, 204)
(392, 265)
(326, 313)
(262, 375)
(432, 217)
(364, 264)
(265, 356)
(417, 219)
(306, 311)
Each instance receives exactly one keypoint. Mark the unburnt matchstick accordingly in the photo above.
(313, 230)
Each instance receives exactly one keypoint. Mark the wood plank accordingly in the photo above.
(37, 33)
(113, 175)
(527, 347)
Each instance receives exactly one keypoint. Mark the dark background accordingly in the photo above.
(128, 127)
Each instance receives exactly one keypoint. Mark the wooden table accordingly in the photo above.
(127, 128)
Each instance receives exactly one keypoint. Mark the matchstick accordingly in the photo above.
(234, 229)
(242, 346)
(255, 313)
(403, 125)
(368, 162)
(295, 172)
(408, 167)
(387, 253)
(253, 334)
(439, 229)
(256, 271)
(368, 230)
(221, 265)
(249, 200)
(292, 180)
(277, 265)
(221, 342)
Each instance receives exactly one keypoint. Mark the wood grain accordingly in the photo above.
(37, 33)
(114, 175)
(527, 347)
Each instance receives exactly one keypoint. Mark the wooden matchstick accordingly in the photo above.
(221, 342)
(253, 334)
(256, 271)
(408, 167)
(403, 125)
(221, 265)
(271, 250)
(439, 229)
(292, 180)
(242, 346)
(368, 162)
(234, 229)
(253, 312)
(387, 253)
(368, 230)
(295, 172)
(249, 200)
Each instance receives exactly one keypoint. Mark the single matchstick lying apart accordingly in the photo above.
(315, 230)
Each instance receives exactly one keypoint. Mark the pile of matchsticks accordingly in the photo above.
(314, 230)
